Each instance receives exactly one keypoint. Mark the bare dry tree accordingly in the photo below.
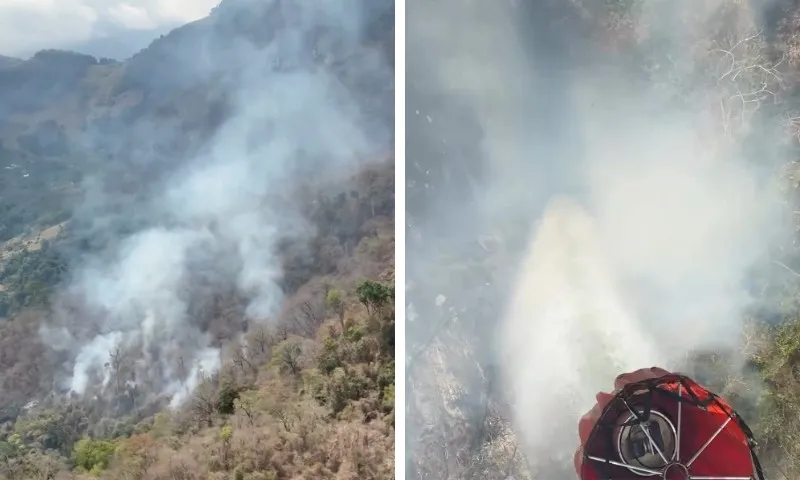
(241, 359)
(284, 414)
(203, 403)
(117, 365)
(182, 370)
(261, 338)
(42, 466)
(309, 315)
(246, 405)
(748, 78)
(792, 123)
(290, 354)
(282, 331)
(180, 471)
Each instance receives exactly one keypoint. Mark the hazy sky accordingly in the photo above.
(100, 27)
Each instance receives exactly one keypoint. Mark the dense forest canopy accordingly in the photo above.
(197, 271)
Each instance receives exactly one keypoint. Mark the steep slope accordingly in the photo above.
(199, 251)
(670, 125)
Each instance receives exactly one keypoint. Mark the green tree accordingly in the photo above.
(330, 358)
(374, 295)
(226, 398)
(93, 455)
(287, 354)
(53, 429)
(225, 437)
(336, 302)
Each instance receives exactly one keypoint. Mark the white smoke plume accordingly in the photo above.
(630, 209)
(216, 222)
(646, 269)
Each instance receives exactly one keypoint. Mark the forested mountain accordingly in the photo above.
(197, 269)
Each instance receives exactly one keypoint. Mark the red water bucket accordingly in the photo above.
(661, 425)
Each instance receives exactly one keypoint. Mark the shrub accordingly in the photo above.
(93, 455)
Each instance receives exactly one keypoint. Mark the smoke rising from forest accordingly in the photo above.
(213, 226)
(632, 206)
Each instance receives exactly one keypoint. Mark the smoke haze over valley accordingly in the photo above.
(94, 27)
(192, 209)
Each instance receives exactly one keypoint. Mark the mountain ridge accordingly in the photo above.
(222, 271)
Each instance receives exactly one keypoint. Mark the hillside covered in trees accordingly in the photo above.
(672, 124)
(197, 262)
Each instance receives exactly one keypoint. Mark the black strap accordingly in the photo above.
(655, 385)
